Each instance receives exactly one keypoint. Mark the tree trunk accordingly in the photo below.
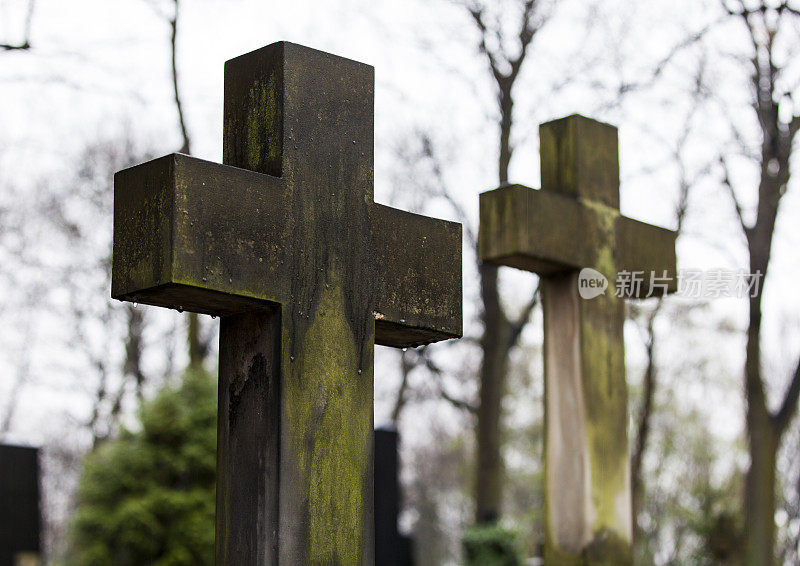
(760, 493)
(489, 479)
(506, 103)
(763, 440)
(643, 426)
(495, 346)
(763, 433)
(197, 350)
(133, 355)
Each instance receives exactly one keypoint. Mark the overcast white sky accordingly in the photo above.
(99, 67)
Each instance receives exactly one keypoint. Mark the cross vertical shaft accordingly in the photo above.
(326, 332)
(587, 480)
(248, 438)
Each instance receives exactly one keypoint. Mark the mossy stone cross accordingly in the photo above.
(285, 243)
(574, 222)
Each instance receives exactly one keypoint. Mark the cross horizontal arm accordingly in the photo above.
(209, 238)
(198, 236)
(534, 230)
(548, 232)
(418, 260)
(649, 249)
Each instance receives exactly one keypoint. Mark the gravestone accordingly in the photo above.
(285, 243)
(391, 547)
(574, 222)
(20, 516)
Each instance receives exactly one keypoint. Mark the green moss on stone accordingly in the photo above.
(264, 125)
(329, 412)
(607, 549)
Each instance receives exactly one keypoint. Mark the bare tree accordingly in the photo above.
(173, 43)
(402, 392)
(765, 23)
(73, 213)
(687, 179)
(500, 334)
(504, 48)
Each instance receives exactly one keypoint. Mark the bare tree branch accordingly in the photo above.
(477, 16)
(133, 349)
(23, 374)
(198, 345)
(663, 64)
(526, 34)
(426, 359)
(438, 188)
(786, 8)
(646, 410)
(726, 182)
(173, 23)
(400, 401)
(505, 63)
(763, 21)
(457, 403)
(15, 47)
(527, 31)
(794, 126)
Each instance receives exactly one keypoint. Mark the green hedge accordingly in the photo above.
(491, 545)
(147, 497)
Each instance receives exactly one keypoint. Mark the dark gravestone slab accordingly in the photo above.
(20, 519)
(391, 547)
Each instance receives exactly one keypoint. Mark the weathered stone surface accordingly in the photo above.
(580, 158)
(547, 232)
(180, 217)
(539, 231)
(285, 243)
(572, 223)
(644, 247)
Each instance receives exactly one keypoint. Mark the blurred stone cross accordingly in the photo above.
(285, 243)
(574, 223)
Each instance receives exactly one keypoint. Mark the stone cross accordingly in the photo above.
(285, 243)
(574, 222)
